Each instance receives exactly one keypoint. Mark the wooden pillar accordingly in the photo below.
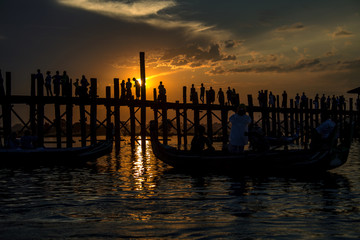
(132, 124)
(273, 120)
(40, 112)
(156, 113)
(209, 118)
(307, 128)
(250, 108)
(286, 120)
(69, 117)
(178, 125)
(278, 116)
(6, 108)
(93, 110)
(58, 124)
(311, 113)
(185, 119)
(109, 126)
(224, 124)
(82, 122)
(298, 127)
(292, 125)
(32, 104)
(164, 123)
(143, 99)
(117, 115)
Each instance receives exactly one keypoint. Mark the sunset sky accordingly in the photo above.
(311, 46)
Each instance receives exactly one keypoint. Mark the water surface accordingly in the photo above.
(134, 195)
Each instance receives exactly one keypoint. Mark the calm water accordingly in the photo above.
(136, 196)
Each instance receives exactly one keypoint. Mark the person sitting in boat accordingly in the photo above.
(12, 142)
(323, 134)
(239, 130)
(28, 141)
(200, 140)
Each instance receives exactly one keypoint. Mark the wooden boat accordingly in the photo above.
(272, 161)
(52, 156)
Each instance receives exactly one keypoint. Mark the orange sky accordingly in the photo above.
(301, 46)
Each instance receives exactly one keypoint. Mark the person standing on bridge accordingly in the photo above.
(57, 82)
(137, 88)
(48, 84)
(123, 90)
(202, 93)
(128, 89)
(239, 130)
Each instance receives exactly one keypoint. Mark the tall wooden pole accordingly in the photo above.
(93, 110)
(117, 115)
(143, 99)
(40, 112)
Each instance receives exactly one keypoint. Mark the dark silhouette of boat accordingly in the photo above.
(54, 156)
(301, 161)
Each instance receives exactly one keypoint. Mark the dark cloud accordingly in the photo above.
(291, 28)
(195, 55)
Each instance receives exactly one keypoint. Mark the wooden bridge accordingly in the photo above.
(285, 120)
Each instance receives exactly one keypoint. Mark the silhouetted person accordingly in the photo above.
(297, 100)
(40, 78)
(221, 97)
(284, 101)
(162, 93)
(192, 93)
(199, 141)
(128, 89)
(202, 93)
(239, 130)
(323, 102)
(229, 96)
(316, 101)
(322, 135)
(271, 100)
(48, 84)
(123, 90)
(333, 103)
(84, 86)
(211, 95)
(235, 98)
(77, 87)
(303, 102)
(65, 82)
(57, 82)
(137, 88)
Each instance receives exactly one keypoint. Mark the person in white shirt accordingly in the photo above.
(239, 130)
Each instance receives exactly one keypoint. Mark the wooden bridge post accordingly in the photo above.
(273, 120)
(185, 119)
(224, 124)
(32, 104)
(250, 108)
(143, 100)
(6, 108)
(109, 126)
(93, 110)
(117, 115)
(292, 125)
(156, 113)
(209, 118)
(40, 112)
(69, 117)
(132, 124)
(82, 122)
(164, 123)
(278, 116)
(178, 125)
(58, 123)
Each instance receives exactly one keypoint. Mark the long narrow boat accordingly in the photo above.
(52, 156)
(272, 161)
